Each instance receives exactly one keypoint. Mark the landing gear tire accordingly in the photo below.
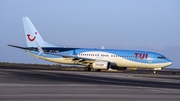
(155, 72)
(87, 68)
(97, 70)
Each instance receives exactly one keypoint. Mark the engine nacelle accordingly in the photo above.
(101, 65)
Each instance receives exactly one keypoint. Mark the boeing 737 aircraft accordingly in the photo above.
(98, 59)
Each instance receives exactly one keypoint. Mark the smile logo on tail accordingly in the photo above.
(31, 39)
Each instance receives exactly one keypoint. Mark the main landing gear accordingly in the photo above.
(87, 68)
(97, 70)
(155, 72)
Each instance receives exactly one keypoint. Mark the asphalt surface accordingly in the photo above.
(33, 84)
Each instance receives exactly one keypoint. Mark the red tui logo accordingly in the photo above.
(31, 39)
(141, 55)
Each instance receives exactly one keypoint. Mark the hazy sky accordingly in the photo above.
(152, 25)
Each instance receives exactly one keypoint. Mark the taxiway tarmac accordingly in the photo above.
(22, 84)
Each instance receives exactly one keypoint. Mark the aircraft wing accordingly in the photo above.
(73, 57)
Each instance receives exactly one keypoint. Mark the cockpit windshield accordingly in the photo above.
(161, 57)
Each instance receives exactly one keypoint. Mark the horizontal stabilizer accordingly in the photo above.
(25, 48)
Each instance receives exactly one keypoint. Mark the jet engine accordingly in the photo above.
(101, 65)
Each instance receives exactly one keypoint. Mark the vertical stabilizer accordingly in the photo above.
(32, 35)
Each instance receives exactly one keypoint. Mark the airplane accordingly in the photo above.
(90, 58)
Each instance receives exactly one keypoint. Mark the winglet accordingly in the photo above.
(39, 49)
(102, 47)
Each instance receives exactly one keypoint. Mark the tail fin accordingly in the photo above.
(32, 35)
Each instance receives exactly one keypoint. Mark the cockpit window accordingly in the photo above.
(161, 57)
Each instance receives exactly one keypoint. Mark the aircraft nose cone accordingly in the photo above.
(169, 62)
